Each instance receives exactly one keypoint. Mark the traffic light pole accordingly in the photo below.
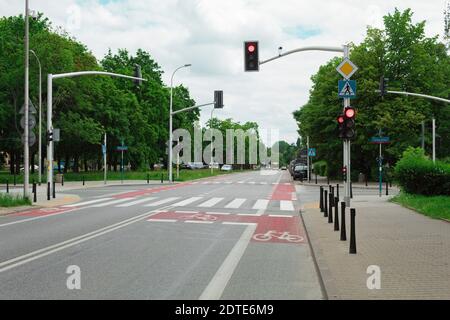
(50, 107)
(347, 148)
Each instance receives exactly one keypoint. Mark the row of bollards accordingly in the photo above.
(327, 202)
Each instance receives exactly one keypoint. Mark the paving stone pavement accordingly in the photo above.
(412, 251)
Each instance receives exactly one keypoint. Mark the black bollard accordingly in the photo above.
(54, 191)
(387, 188)
(329, 188)
(352, 231)
(48, 190)
(336, 214)
(343, 230)
(325, 204)
(330, 209)
(351, 190)
(328, 180)
(34, 193)
(316, 177)
(62, 180)
(14, 179)
(321, 199)
(83, 180)
(337, 191)
(162, 178)
(148, 178)
(7, 186)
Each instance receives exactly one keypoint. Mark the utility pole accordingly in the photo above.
(347, 148)
(26, 148)
(307, 157)
(40, 117)
(434, 139)
(423, 135)
(104, 160)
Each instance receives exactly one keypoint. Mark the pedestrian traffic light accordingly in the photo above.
(137, 74)
(251, 56)
(49, 136)
(218, 99)
(383, 85)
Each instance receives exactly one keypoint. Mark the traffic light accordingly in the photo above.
(344, 173)
(137, 74)
(383, 85)
(251, 56)
(218, 99)
(49, 136)
(346, 123)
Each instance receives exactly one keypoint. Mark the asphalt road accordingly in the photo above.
(230, 237)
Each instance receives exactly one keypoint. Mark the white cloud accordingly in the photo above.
(209, 34)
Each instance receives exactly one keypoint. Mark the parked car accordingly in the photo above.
(195, 165)
(214, 165)
(283, 168)
(226, 167)
(300, 172)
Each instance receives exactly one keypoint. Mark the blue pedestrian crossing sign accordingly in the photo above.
(312, 152)
(347, 89)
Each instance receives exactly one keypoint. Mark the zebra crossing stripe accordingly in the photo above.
(186, 202)
(235, 204)
(261, 204)
(86, 202)
(104, 204)
(286, 205)
(211, 202)
(161, 202)
(132, 203)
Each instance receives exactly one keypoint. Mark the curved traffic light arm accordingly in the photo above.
(416, 95)
(310, 48)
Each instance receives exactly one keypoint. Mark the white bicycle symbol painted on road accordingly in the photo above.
(269, 235)
(199, 216)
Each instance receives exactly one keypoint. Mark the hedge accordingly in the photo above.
(417, 174)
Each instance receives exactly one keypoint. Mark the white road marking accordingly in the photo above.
(162, 220)
(286, 205)
(193, 212)
(104, 204)
(199, 222)
(240, 223)
(86, 203)
(161, 202)
(132, 203)
(186, 202)
(235, 204)
(261, 204)
(219, 213)
(280, 216)
(247, 214)
(211, 202)
(217, 285)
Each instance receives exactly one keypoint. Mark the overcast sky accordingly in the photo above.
(210, 34)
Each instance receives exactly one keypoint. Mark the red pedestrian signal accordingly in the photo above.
(251, 56)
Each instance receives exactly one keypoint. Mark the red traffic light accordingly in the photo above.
(251, 48)
(340, 119)
(344, 169)
(350, 112)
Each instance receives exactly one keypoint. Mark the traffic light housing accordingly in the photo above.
(344, 173)
(49, 136)
(218, 99)
(251, 56)
(137, 74)
(346, 123)
(383, 85)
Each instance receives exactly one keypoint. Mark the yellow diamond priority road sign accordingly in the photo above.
(346, 68)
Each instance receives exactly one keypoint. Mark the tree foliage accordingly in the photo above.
(413, 63)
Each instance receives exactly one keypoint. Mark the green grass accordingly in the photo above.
(185, 175)
(8, 200)
(432, 206)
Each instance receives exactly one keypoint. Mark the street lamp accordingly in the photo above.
(26, 149)
(40, 117)
(170, 120)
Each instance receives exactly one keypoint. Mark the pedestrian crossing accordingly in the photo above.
(195, 201)
(253, 183)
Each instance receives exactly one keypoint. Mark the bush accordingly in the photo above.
(417, 174)
(320, 167)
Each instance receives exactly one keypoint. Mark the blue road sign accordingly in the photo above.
(347, 89)
(380, 140)
(103, 149)
(312, 152)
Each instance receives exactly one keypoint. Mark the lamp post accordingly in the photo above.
(212, 142)
(40, 117)
(170, 121)
(26, 148)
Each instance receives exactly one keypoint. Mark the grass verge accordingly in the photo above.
(8, 200)
(437, 207)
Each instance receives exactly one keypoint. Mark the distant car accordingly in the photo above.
(300, 172)
(214, 165)
(283, 168)
(226, 167)
(195, 165)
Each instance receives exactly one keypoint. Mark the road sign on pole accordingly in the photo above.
(347, 89)
(312, 152)
(346, 68)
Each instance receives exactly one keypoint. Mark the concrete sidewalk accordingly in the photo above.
(412, 251)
